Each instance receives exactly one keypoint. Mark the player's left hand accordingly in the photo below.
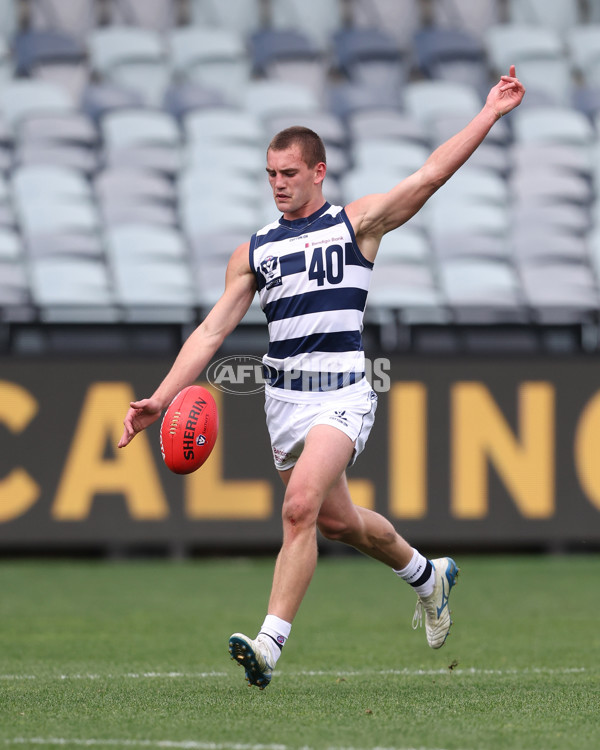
(506, 94)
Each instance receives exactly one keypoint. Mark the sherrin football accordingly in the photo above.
(189, 429)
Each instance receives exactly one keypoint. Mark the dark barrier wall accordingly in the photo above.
(473, 452)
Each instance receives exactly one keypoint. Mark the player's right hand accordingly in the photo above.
(141, 414)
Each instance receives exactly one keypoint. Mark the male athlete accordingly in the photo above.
(311, 269)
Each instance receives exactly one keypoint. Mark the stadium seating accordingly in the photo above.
(116, 114)
(229, 125)
(558, 15)
(289, 55)
(452, 55)
(482, 290)
(427, 101)
(474, 17)
(400, 18)
(301, 14)
(148, 14)
(22, 97)
(73, 290)
(241, 16)
(404, 245)
(583, 43)
(404, 157)
(371, 58)
(406, 293)
(210, 57)
(52, 56)
(78, 17)
(15, 287)
(132, 58)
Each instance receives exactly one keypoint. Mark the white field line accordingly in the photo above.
(177, 745)
(472, 671)
(183, 744)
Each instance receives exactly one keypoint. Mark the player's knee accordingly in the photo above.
(300, 509)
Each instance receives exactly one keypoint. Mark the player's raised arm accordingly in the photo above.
(375, 215)
(199, 348)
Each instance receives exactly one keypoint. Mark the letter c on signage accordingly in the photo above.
(18, 491)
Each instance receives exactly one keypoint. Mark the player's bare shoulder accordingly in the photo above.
(362, 216)
(240, 258)
(239, 263)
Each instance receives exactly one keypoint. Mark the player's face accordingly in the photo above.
(296, 187)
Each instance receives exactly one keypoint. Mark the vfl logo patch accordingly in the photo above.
(200, 440)
(271, 270)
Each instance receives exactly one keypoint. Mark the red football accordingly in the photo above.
(189, 429)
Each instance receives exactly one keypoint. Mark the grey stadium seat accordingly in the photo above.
(402, 18)
(241, 16)
(425, 101)
(132, 58)
(559, 15)
(141, 242)
(560, 292)
(538, 55)
(52, 56)
(76, 17)
(157, 15)
(405, 244)
(210, 57)
(472, 16)
(133, 127)
(267, 99)
(372, 58)
(483, 290)
(560, 125)
(72, 290)
(129, 185)
(289, 55)
(156, 290)
(224, 124)
(301, 14)
(22, 97)
(583, 43)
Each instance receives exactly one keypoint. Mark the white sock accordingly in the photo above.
(419, 573)
(278, 631)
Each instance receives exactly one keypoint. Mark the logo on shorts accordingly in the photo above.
(280, 456)
(340, 416)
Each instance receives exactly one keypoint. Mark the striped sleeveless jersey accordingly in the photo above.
(312, 282)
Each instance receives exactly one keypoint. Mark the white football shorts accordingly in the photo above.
(350, 409)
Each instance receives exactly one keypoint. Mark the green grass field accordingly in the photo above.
(134, 654)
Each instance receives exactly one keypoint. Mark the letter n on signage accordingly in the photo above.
(408, 450)
(524, 462)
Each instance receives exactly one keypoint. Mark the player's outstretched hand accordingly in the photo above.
(506, 94)
(141, 414)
